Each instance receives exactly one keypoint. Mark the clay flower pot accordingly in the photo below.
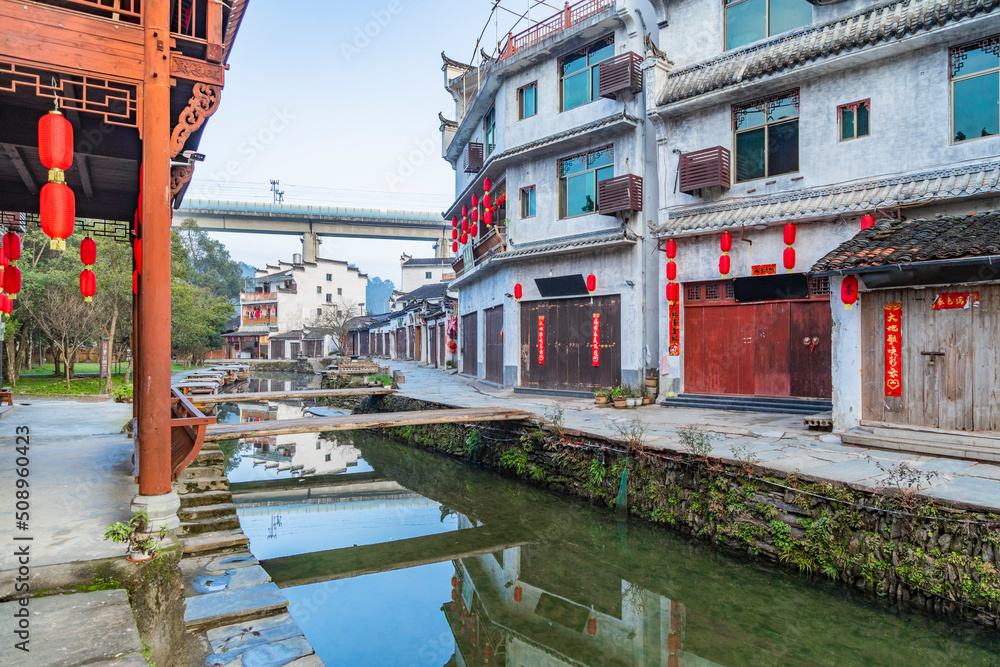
(601, 399)
(621, 402)
(140, 557)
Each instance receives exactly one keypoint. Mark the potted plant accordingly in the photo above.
(651, 378)
(648, 394)
(123, 394)
(135, 534)
(618, 397)
(601, 396)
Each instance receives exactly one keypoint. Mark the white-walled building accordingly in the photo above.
(419, 271)
(290, 301)
(829, 113)
(557, 123)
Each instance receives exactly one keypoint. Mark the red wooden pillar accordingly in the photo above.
(153, 345)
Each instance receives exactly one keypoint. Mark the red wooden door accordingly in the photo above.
(810, 354)
(746, 321)
(694, 351)
(723, 341)
(771, 349)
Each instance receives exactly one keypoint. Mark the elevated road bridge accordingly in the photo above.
(313, 222)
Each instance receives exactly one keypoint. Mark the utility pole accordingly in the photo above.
(279, 195)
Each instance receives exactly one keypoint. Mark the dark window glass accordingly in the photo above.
(977, 106)
(528, 202)
(750, 155)
(578, 179)
(751, 20)
(490, 130)
(863, 113)
(575, 62)
(527, 102)
(846, 124)
(783, 148)
(580, 73)
(854, 120)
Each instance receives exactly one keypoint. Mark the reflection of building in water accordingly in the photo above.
(305, 453)
(520, 607)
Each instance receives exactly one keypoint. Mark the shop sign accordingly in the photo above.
(764, 269)
(956, 300)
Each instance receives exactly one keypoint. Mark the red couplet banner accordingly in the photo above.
(893, 349)
(675, 329)
(541, 340)
(595, 342)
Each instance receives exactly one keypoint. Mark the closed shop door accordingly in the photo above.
(410, 350)
(277, 349)
(493, 320)
(418, 344)
(294, 347)
(567, 362)
(400, 343)
(470, 340)
(441, 344)
(960, 390)
(432, 348)
(756, 349)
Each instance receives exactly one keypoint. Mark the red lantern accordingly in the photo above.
(454, 579)
(454, 221)
(465, 238)
(487, 202)
(6, 304)
(789, 233)
(487, 652)
(465, 225)
(518, 593)
(724, 265)
(138, 210)
(867, 221)
(88, 285)
(671, 248)
(454, 234)
(789, 258)
(12, 246)
(849, 292)
(673, 292)
(55, 141)
(518, 293)
(58, 213)
(488, 218)
(591, 626)
(487, 185)
(475, 202)
(88, 251)
(465, 211)
(671, 270)
(474, 231)
(475, 215)
(727, 242)
(135, 282)
(3, 259)
(591, 283)
(454, 246)
(12, 281)
(137, 249)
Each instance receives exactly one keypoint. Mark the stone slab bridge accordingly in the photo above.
(313, 222)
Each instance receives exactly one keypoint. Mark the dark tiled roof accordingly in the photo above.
(288, 335)
(432, 291)
(885, 21)
(891, 242)
(427, 261)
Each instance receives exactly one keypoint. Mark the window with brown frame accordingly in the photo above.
(578, 178)
(855, 119)
(766, 136)
(527, 100)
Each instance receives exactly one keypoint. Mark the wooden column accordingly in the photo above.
(153, 386)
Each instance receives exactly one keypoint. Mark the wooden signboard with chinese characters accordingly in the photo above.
(541, 340)
(893, 349)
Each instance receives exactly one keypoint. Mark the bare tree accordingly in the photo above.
(68, 322)
(336, 317)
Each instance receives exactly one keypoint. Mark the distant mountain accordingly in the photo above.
(378, 295)
(248, 271)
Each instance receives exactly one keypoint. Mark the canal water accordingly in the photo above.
(396, 556)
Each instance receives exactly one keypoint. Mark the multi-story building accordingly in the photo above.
(556, 122)
(780, 127)
(290, 302)
(419, 271)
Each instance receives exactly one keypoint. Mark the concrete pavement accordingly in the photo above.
(779, 442)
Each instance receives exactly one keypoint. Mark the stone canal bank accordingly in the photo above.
(912, 531)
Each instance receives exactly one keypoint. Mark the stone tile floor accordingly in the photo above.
(781, 442)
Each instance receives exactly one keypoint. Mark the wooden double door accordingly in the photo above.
(774, 349)
(432, 348)
(950, 360)
(567, 343)
(493, 344)
(470, 344)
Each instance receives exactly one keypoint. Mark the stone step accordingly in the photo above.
(216, 542)
(210, 525)
(922, 447)
(202, 484)
(191, 500)
(199, 512)
(271, 640)
(936, 436)
(210, 584)
(210, 458)
(194, 472)
(233, 606)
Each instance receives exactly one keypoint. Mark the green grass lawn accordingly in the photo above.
(81, 368)
(50, 385)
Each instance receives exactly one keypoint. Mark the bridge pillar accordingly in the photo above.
(443, 246)
(310, 247)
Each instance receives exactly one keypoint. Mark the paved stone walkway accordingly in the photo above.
(779, 442)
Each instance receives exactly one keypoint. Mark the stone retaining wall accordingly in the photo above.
(900, 547)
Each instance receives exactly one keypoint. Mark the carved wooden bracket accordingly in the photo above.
(197, 70)
(180, 175)
(203, 104)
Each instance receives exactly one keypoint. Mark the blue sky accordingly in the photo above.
(343, 95)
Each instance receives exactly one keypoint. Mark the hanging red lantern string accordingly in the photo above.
(454, 234)
(849, 292)
(11, 247)
(137, 248)
(671, 270)
(518, 593)
(454, 247)
(518, 293)
(727, 244)
(591, 283)
(454, 222)
(788, 257)
(57, 202)
(671, 248)
(474, 216)
(867, 221)
(88, 285)
(88, 252)
(474, 232)
(465, 238)
(673, 292)
(6, 304)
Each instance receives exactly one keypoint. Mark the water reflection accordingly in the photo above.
(425, 561)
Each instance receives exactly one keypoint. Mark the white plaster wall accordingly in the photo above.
(415, 276)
